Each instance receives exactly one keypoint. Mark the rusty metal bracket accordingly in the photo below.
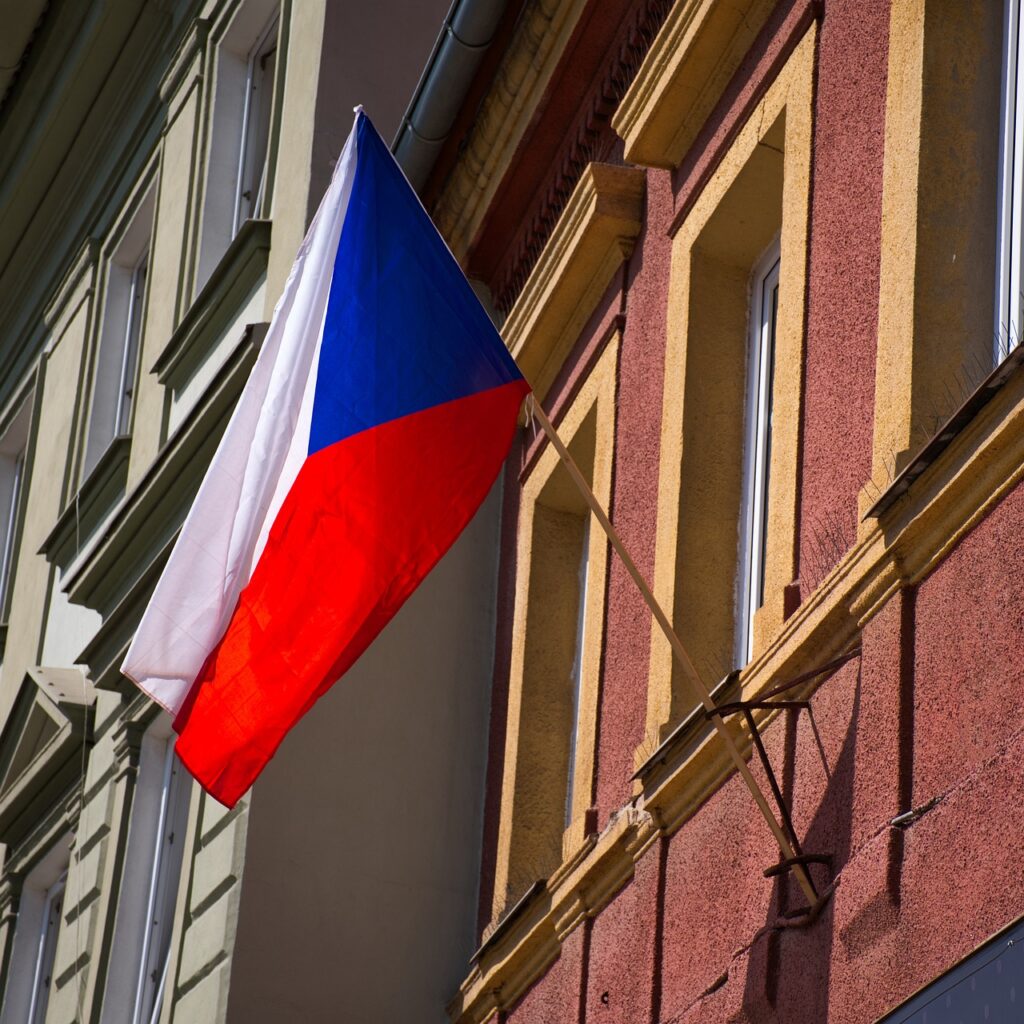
(766, 703)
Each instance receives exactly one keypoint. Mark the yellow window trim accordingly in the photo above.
(691, 61)
(787, 101)
(594, 234)
(593, 406)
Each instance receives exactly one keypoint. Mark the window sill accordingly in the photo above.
(240, 268)
(947, 433)
(100, 492)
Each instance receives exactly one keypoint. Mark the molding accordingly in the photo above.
(540, 39)
(100, 492)
(240, 268)
(690, 63)
(60, 310)
(595, 233)
(191, 45)
(47, 696)
(587, 137)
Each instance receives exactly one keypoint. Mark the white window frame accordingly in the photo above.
(253, 28)
(121, 333)
(142, 946)
(583, 585)
(36, 934)
(46, 950)
(1009, 282)
(757, 448)
(254, 151)
(130, 350)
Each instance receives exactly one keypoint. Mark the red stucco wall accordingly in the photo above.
(931, 708)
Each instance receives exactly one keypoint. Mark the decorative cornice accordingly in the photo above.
(691, 61)
(595, 233)
(187, 55)
(538, 43)
(588, 139)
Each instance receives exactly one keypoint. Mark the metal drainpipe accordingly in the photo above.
(467, 32)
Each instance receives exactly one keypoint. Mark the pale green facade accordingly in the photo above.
(345, 888)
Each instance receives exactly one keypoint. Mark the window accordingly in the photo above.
(252, 156)
(40, 911)
(577, 667)
(13, 446)
(764, 302)
(141, 951)
(239, 174)
(168, 841)
(982, 987)
(1009, 283)
(558, 625)
(121, 332)
(46, 950)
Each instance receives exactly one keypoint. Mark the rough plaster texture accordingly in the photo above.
(843, 273)
(556, 996)
(621, 963)
(909, 902)
(967, 676)
(930, 708)
(627, 638)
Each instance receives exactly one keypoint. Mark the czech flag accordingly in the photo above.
(375, 421)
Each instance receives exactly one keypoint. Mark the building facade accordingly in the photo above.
(760, 261)
(160, 162)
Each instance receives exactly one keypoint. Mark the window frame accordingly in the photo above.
(46, 954)
(15, 445)
(267, 45)
(152, 882)
(116, 358)
(35, 941)
(544, 730)
(757, 445)
(1010, 230)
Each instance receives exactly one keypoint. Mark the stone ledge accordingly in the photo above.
(690, 63)
(595, 233)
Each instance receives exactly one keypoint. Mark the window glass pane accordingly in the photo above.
(986, 987)
(14, 471)
(163, 889)
(577, 670)
(757, 453)
(252, 164)
(1010, 281)
(130, 353)
(47, 951)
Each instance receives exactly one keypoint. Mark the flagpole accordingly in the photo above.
(689, 669)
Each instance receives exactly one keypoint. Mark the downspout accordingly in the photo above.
(465, 35)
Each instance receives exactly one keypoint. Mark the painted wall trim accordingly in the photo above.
(596, 232)
(686, 70)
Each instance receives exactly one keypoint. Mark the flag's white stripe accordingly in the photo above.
(253, 469)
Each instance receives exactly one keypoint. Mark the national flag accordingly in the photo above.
(376, 418)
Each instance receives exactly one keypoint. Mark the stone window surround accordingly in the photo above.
(707, 257)
(592, 412)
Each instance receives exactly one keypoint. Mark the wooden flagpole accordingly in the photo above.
(678, 649)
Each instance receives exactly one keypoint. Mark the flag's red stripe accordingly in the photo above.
(365, 521)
